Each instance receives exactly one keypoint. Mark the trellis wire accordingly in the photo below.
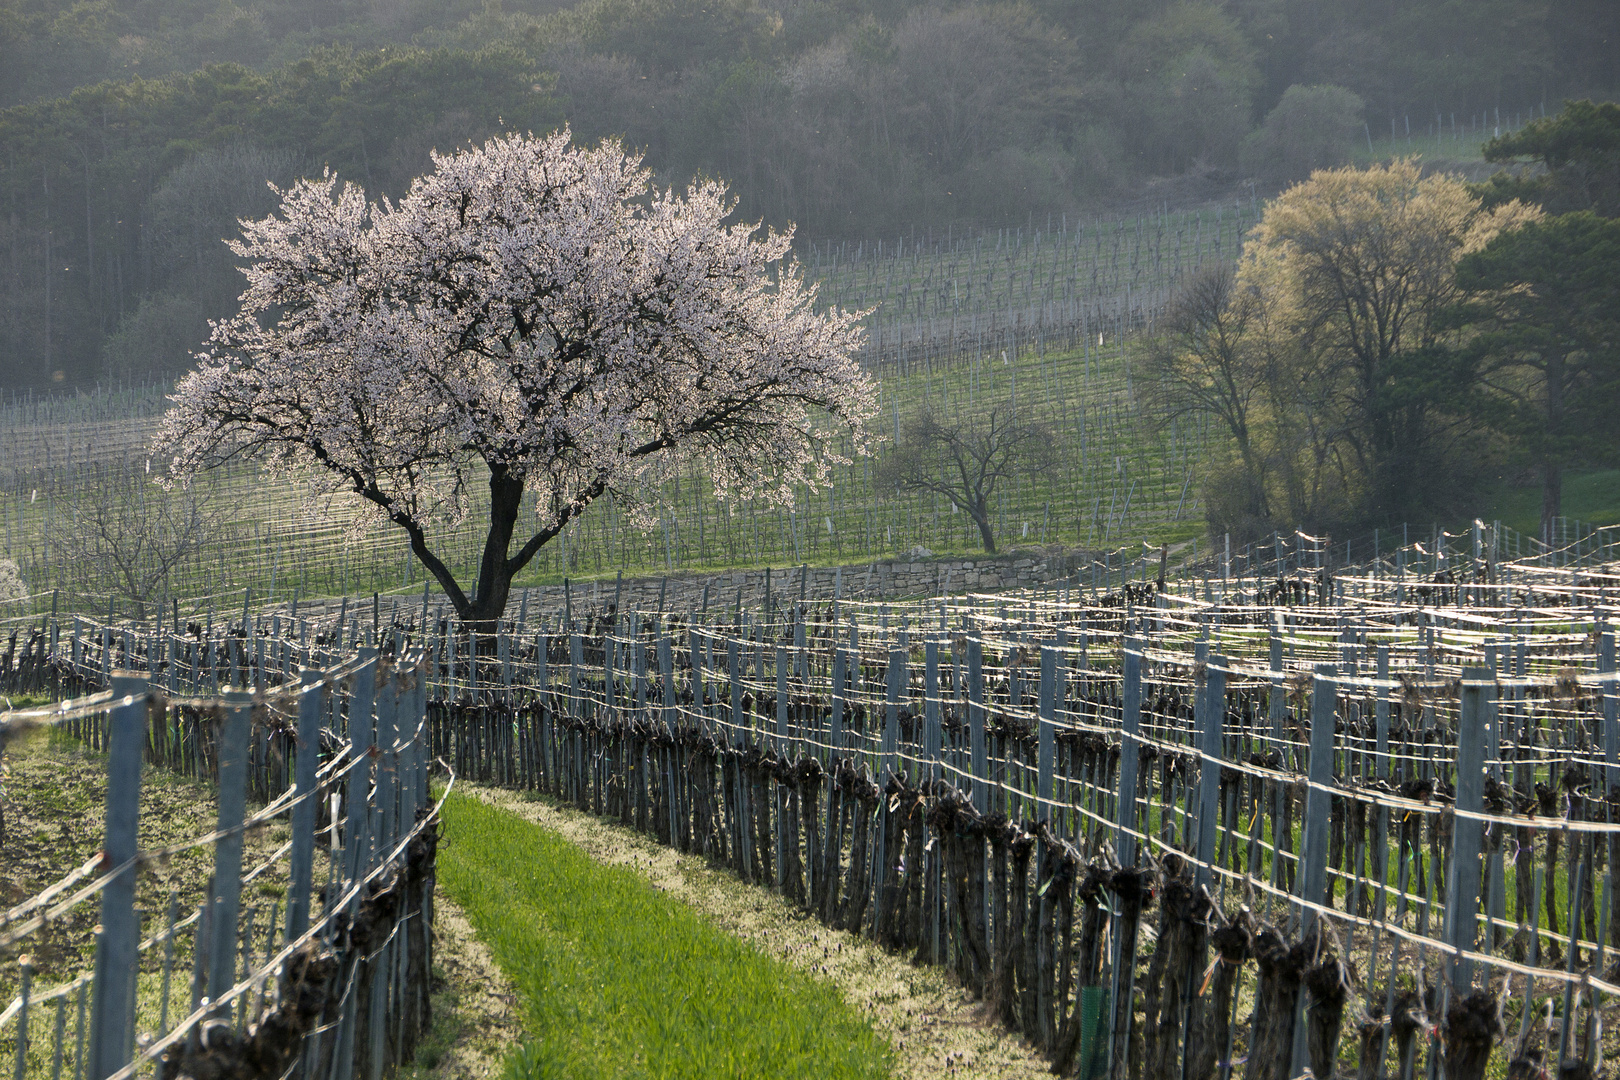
(955, 775)
(338, 980)
(1074, 288)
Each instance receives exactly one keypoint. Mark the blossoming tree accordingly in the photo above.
(532, 315)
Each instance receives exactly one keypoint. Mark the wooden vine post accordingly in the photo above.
(1312, 879)
(1463, 888)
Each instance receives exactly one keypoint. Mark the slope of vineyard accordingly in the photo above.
(1119, 476)
(1042, 317)
(1045, 287)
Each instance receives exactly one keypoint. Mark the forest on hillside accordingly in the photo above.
(133, 133)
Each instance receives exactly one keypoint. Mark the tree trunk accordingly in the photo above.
(1552, 497)
(1552, 480)
(483, 609)
(488, 602)
(980, 513)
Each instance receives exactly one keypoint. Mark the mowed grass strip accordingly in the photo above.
(620, 980)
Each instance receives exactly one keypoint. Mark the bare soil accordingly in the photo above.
(54, 795)
(934, 1025)
(475, 1010)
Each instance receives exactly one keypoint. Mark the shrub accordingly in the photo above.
(1311, 128)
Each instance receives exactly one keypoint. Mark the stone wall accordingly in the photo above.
(918, 574)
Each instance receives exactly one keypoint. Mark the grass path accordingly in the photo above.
(927, 1021)
(618, 979)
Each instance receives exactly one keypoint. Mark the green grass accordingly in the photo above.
(55, 820)
(1592, 496)
(1457, 138)
(619, 980)
(1463, 149)
(441, 1036)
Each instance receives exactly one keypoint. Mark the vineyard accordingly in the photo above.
(1156, 803)
(1057, 288)
(216, 937)
(1356, 819)
(1040, 320)
(1455, 139)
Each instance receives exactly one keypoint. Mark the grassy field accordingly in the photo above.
(1590, 496)
(1121, 479)
(1451, 137)
(619, 980)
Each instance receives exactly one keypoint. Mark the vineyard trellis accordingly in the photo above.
(1378, 795)
(1053, 304)
(973, 292)
(334, 975)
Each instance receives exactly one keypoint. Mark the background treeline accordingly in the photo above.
(114, 200)
(1390, 339)
(134, 133)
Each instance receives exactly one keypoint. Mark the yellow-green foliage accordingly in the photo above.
(1348, 278)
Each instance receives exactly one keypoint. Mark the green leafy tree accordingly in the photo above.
(668, 35)
(124, 189)
(1312, 127)
(1546, 302)
(1189, 79)
(1355, 275)
(1579, 151)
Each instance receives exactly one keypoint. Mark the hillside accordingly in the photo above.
(137, 132)
(1120, 479)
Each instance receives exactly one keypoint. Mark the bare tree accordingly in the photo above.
(963, 458)
(128, 535)
(1202, 362)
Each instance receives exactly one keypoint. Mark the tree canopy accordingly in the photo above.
(1578, 150)
(1358, 268)
(118, 196)
(1544, 307)
(853, 121)
(1332, 357)
(532, 315)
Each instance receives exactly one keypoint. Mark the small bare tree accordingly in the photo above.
(1203, 363)
(128, 535)
(964, 457)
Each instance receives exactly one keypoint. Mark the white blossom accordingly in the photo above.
(533, 315)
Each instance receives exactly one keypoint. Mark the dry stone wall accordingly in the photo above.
(915, 574)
